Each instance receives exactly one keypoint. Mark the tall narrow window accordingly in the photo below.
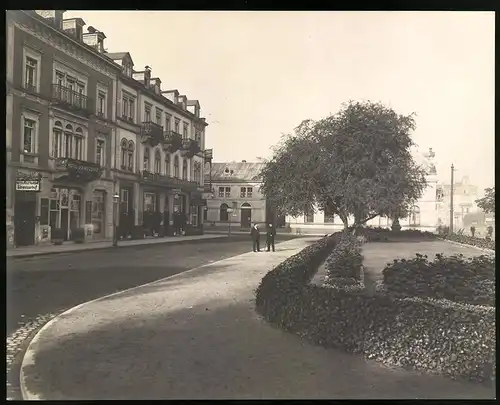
(78, 144)
(185, 131)
(101, 103)
(176, 126)
(68, 141)
(158, 161)
(167, 164)
(29, 135)
(31, 73)
(125, 112)
(99, 152)
(131, 148)
(158, 116)
(176, 167)
(145, 165)
(167, 122)
(124, 150)
(249, 192)
(57, 140)
(147, 113)
(184, 169)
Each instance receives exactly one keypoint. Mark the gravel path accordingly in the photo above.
(196, 336)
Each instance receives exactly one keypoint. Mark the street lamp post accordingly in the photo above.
(116, 198)
(229, 212)
(451, 199)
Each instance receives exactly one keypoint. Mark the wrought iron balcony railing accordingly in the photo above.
(71, 98)
(152, 132)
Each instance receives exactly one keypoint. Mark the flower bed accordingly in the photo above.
(455, 278)
(471, 240)
(345, 261)
(440, 336)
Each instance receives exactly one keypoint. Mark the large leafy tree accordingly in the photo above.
(487, 203)
(356, 163)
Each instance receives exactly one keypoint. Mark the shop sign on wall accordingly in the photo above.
(28, 181)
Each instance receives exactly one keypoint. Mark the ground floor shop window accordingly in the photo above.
(62, 210)
(194, 216)
(150, 202)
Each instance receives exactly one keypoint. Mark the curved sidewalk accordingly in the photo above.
(196, 336)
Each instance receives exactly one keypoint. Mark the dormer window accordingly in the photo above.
(127, 70)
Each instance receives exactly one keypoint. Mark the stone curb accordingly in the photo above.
(166, 242)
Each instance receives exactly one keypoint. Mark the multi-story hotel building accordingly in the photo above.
(160, 153)
(60, 127)
(83, 127)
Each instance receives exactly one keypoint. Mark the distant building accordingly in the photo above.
(464, 196)
(235, 186)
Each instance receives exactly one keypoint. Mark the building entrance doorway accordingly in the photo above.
(65, 210)
(24, 218)
(98, 214)
(246, 215)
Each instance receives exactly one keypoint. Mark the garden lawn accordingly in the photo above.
(378, 254)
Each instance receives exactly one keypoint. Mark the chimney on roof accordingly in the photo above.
(54, 17)
(74, 27)
(156, 84)
(95, 39)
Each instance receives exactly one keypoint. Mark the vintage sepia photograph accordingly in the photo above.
(250, 205)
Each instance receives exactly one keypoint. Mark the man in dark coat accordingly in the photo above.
(270, 235)
(255, 238)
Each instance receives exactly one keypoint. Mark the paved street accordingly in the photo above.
(196, 336)
(38, 288)
(50, 284)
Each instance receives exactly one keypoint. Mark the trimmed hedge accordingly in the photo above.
(471, 240)
(378, 234)
(345, 261)
(440, 336)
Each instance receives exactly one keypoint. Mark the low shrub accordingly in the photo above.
(470, 240)
(441, 336)
(346, 260)
(454, 278)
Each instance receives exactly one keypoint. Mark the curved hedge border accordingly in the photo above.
(471, 240)
(439, 336)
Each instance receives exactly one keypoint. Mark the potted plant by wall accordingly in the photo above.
(57, 236)
(78, 235)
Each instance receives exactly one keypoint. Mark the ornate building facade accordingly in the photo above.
(92, 143)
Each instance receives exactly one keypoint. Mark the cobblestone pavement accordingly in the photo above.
(16, 345)
(41, 287)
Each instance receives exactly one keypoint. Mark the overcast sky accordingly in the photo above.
(259, 74)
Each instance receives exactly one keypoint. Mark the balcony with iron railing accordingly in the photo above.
(169, 181)
(152, 133)
(72, 99)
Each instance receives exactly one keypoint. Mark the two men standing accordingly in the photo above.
(270, 235)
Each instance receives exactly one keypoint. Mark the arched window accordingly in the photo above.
(197, 172)
(78, 144)
(57, 140)
(223, 214)
(415, 216)
(176, 167)
(145, 162)
(68, 141)
(157, 161)
(123, 149)
(130, 153)
(167, 164)
(184, 169)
